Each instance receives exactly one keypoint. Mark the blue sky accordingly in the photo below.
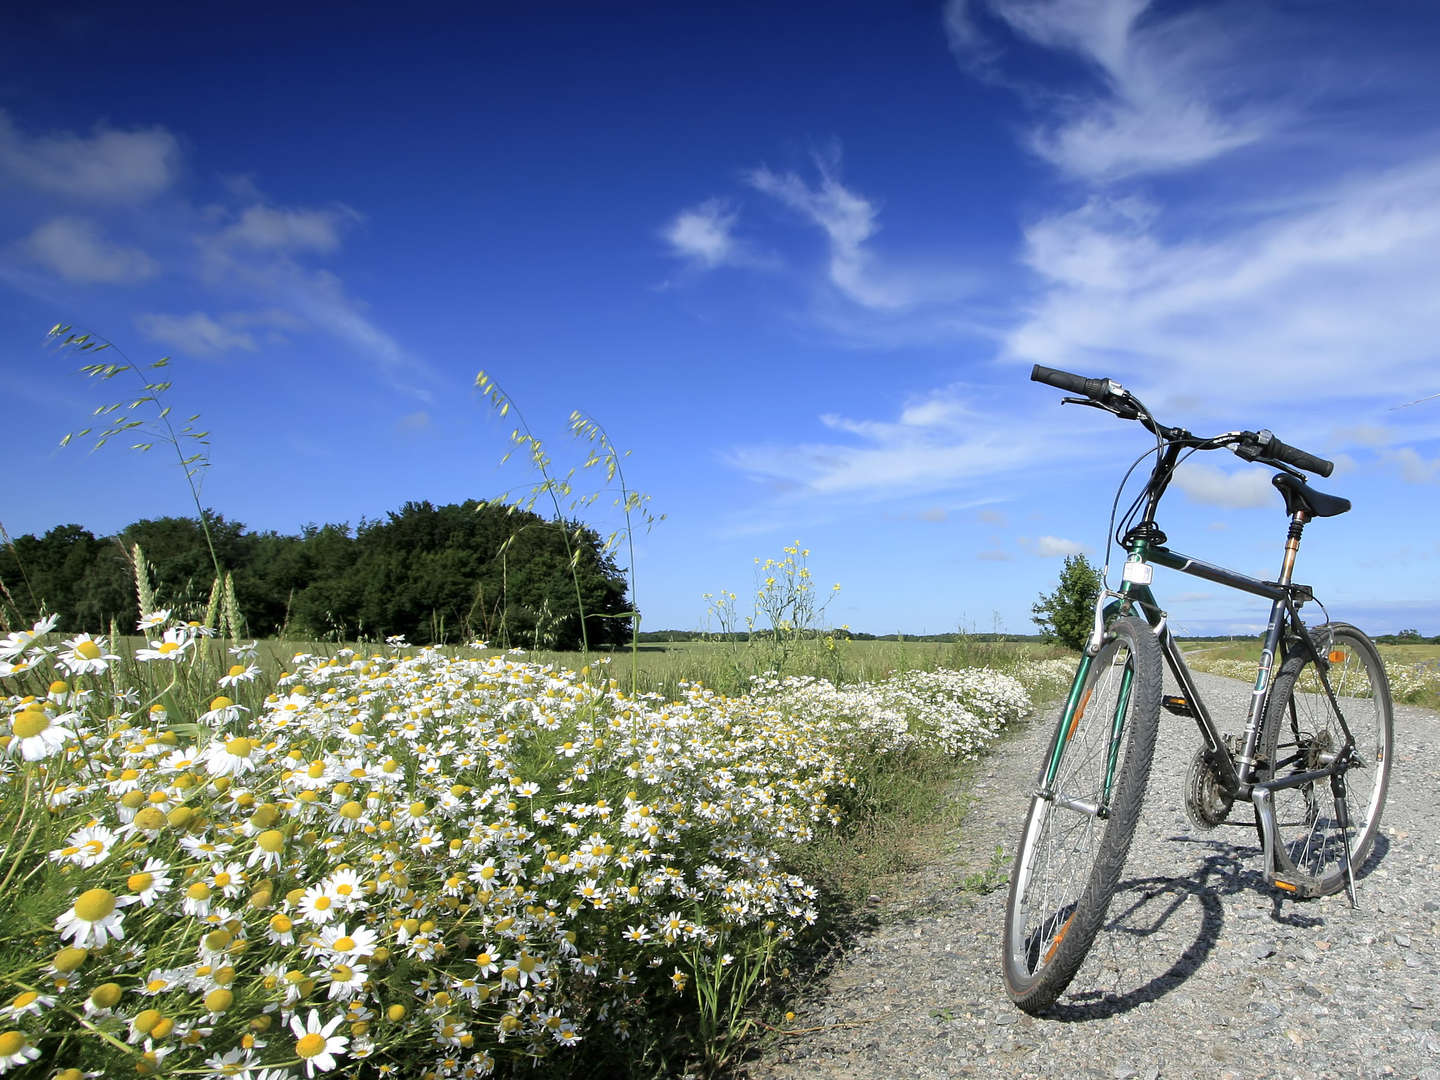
(797, 258)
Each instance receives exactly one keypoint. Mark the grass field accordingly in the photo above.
(1414, 670)
(726, 667)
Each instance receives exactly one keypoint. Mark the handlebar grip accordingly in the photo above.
(1098, 389)
(1291, 455)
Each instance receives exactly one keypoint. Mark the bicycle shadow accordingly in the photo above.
(1144, 908)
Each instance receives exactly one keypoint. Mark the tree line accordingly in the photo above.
(435, 574)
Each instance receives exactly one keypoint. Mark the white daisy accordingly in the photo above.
(15, 1049)
(347, 945)
(172, 646)
(86, 847)
(94, 919)
(38, 735)
(87, 655)
(154, 619)
(26, 1002)
(14, 644)
(150, 881)
(314, 1044)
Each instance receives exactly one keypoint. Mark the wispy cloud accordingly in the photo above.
(1053, 546)
(109, 166)
(76, 249)
(850, 222)
(269, 228)
(1339, 282)
(197, 333)
(1241, 488)
(933, 444)
(704, 234)
(1153, 108)
(266, 250)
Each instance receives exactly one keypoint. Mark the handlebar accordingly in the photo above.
(1267, 446)
(1095, 389)
(1260, 446)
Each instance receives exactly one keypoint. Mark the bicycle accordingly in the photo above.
(1320, 714)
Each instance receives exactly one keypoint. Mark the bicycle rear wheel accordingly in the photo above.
(1070, 855)
(1302, 733)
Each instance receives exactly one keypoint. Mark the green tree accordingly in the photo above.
(1067, 614)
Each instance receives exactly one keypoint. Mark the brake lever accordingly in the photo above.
(1125, 411)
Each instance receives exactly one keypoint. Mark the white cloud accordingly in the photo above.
(1050, 546)
(704, 233)
(1413, 467)
(935, 443)
(1156, 108)
(75, 249)
(850, 222)
(1302, 297)
(269, 228)
(108, 166)
(1245, 487)
(196, 333)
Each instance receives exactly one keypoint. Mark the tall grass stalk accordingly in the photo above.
(126, 418)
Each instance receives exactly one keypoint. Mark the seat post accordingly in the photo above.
(1292, 544)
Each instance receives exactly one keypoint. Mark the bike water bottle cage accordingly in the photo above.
(1301, 496)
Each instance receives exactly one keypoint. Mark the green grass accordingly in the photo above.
(1414, 670)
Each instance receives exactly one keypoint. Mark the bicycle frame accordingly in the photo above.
(1237, 773)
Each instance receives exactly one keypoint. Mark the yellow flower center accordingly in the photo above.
(59, 686)
(88, 650)
(198, 891)
(219, 1000)
(167, 647)
(222, 880)
(29, 723)
(281, 924)
(221, 702)
(271, 840)
(322, 903)
(107, 996)
(237, 669)
(309, 1046)
(12, 1042)
(94, 905)
(139, 882)
(351, 810)
(146, 1020)
(344, 944)
(22, 1000)
(68, 959)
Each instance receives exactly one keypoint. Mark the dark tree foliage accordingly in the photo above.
(432, 573)
(1067, 614)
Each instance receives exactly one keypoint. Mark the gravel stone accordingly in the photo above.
(1201, 971)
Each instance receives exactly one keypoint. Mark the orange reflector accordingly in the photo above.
(1337, 657)
(1055, 943)
(1284, 885)
(1079, 712)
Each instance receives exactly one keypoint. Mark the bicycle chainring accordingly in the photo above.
(1206, 802)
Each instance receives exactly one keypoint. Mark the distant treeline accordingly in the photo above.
(432, 573)
(654, 636)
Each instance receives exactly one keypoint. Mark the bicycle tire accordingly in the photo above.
(1301, 729)
(1069, 862)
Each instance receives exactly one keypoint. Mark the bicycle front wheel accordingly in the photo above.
(1303, 734)
(1078, 832)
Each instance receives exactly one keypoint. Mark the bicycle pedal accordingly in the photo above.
(1178, 705)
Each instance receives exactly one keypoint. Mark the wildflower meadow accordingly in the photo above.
(407, 862)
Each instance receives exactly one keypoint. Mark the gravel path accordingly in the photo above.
(1202, 971)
